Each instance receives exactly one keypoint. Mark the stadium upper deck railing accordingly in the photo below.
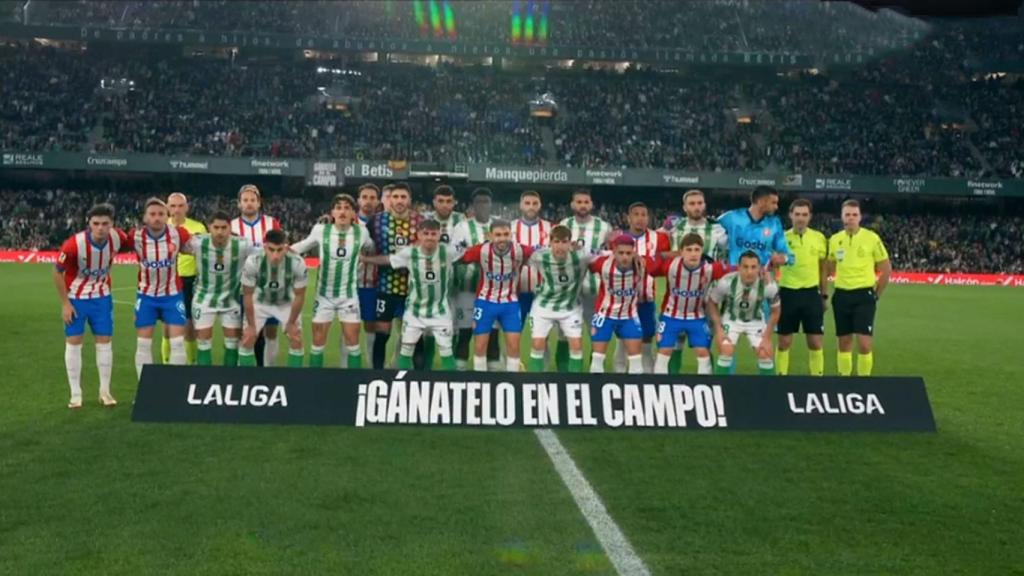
(335, 172)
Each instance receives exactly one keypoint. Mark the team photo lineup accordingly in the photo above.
(511, 287)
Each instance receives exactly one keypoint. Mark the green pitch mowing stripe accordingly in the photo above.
(89, 492)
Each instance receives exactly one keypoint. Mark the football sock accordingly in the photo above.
(661, 363)
(675, 364)
(723, 364)
(316, 356)
(230, 351)
(480, 363)
(73, 365)
(447, 362)
(536, 363)
(204, 352)
(782, 359)
(704, 365)
(844, 363)
(575, 364)
(636, 364)
(270, 352)
(246, 357)
(380, 345)
(865, 363)
(766, 367)
(404, 361)
(512, 364)
(104, 365)
(597, 363)
(816, 362)
(355, 356)
(295, 357)
(143, 354)
(562, 355)
(178, 351)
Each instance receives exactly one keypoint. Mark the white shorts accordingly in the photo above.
(542, 320)
(463, 307)
(440, 327)
(204, 317)
(346, 310)
(280, 312)
(754, 331)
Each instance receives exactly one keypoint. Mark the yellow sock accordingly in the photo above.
(816, 362)
(865, 362)
(165, 350)
(190, 351)
(845, 363)
(782, 362)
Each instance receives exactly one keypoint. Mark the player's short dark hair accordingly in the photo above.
(388, 188)
(495, 224)
(851, 203)
(762, 192)
(636, 205)
(482, 192)
(444, 190)
(429, 224)
(102, 210)
(561, 233)
(369, 186)
(530, 194)
(579, 191)
(154, 201)
(274, 236)
(692, 192)
(250, 188)
(801, 202)
(402, 186)
(346, 199)
(220, 215)
(692, 239)
(750, 254)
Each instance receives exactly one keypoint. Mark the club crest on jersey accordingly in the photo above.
(766, 232)
(62, 258)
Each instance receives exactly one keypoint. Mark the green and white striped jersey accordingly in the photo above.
(467, 234)
(448, 226)
(739, 302)
(429, 279)
(219, 278)
(716, 240)
(590, 237)
(559, 289)
(339, 257)
(274, 284)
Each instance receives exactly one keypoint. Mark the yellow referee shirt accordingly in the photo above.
(855, 256)
(187, 262)
(809, 248)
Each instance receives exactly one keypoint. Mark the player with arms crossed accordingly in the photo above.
(177, 206)
(157, 246)
(736, 308)
(82, 278)
(253, 225)
(557, 302)
(622, 276)
(220, 257)
(369, 203)
(856, 255)
(337, 296)
(803, 290)
(470, 232)
(273, 286)
(428, 308)
(687, 278)
(590, 234)
(649, 244)
(497, 294)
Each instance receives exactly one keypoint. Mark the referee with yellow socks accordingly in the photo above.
(177, 206)
(803, 291)
(856, 255)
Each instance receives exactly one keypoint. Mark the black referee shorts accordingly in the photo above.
(801, 306)
(854, 311)
(188, 285)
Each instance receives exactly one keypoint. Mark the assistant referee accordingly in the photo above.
(803, 290)
(856, 255)
(177, 205)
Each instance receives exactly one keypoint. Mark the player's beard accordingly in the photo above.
(701, 215)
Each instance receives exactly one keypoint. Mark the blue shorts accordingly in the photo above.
(603, 328)
(368, 304)
(697, 333)
(98, 312)
(168, 309)
(525, 304)
(646, 312)
(507, 315)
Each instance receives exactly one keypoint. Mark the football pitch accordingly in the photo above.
(89, 492)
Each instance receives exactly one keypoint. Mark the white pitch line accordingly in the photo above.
(614, 542)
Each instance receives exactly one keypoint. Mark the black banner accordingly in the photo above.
(500, 399)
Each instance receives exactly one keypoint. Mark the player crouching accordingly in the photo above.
(274, 286)
(622, 276)
(741, 297)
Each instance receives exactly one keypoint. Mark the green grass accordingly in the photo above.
(88, 492)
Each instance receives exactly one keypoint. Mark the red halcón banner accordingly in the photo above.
(942, 278)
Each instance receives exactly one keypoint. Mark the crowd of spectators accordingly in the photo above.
(937, 239)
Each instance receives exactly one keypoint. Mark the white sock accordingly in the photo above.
(143, 354)
(576, 355)
(494, 366)
(270, 351)
(597, 363)
(314, 349)
(231, 343)
(243, 351)
(204, 344)
(461, 365)
(725, 361)
(407, 349)
(704, 365)
(537, 354)
(352, 351)
(178, 357)
(648, 357)
(512, 365)
(766, 364)
(480, 363)
(619, 362)
(104, 365)
(661, 364)
(73, 364)
(636, 364)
